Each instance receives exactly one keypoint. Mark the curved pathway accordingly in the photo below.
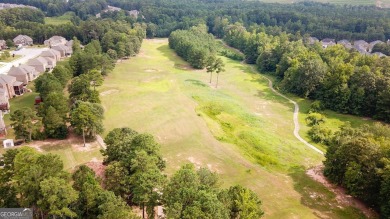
(296, 106)
(295, 115)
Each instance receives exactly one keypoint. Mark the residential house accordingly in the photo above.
(379, 54)
(20, 74)
(312, 40)
(3, 44)
(51, 53)
(23, 40)
(7, 83)
(55, 40)
(372, 44)
(40, 64)
(345, 43)
(18, 88)
(360, 44)
(31, 72)
(4, 100)
(64, 50)
(3, 130)
(328, 42)
(51, 63)
(134, 13)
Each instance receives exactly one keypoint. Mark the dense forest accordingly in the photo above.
(359, 160)
(320, 20)
(195, 46)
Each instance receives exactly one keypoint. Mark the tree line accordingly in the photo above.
(133, 176)
(38, 181)
(321, 20)
(135, 172)
(342, 80)
(358, 159)
(85, 70)
(82, 9)
(195, 45)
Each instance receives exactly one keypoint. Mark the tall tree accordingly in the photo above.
(87, 119)
(25, 122)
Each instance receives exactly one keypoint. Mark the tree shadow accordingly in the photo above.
(179, 63)
(196, 82)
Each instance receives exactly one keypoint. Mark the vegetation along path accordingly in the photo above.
(295, 115)
(296, 106)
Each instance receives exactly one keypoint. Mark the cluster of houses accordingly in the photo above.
(361, 46)
(133, 13)
(7, 5)
(15, 81)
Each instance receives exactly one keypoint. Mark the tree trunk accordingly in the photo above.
(29, 135)
(216, 85)
(84, 137)
(143, 210)
(211, 76)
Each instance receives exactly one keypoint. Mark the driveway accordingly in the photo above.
(26, 53)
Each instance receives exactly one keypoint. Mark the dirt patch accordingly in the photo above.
(150, 70)
(195, 162)
(158, 40)
(98, 167)
(108, 92)
(342, 197)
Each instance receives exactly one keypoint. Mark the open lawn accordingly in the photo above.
(71, 151)
(26, 100)
(63, 19)
(241, 129)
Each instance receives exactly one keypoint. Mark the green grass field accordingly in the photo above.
(73, 155)
(63, 19)
(241, 129)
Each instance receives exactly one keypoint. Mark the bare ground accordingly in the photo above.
(342, 197)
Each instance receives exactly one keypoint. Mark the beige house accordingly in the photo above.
(64, 50)
(40, 64)
(55, 40)
(7, 83)
(3, 44)
(51, 63)
(20, 74)
(3, 130)
(4, 100)
(23, 40)
(51, 53)
(31, 72)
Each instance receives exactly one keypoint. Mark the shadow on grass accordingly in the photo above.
(318, 198)
(196, 82)
(54, 147)
(179, 63)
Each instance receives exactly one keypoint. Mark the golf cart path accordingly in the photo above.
(295, 114)
(296, 106)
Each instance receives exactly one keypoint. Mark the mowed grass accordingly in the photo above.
(59, 20)
(71, 155)
(74, 155)
(26, 100)
(241, 129)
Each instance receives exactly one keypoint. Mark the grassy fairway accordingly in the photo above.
(64, 19)
(241, 130)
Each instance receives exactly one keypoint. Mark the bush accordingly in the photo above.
(316, 106)
(315, 119)
(320, 134)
